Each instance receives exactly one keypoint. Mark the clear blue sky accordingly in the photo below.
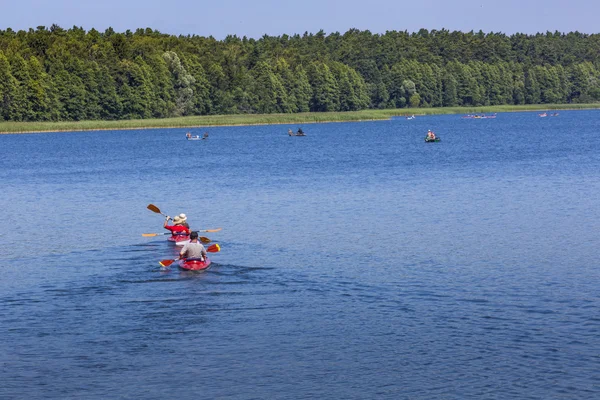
(276, 17)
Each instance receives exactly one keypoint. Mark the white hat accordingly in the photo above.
(178, 220)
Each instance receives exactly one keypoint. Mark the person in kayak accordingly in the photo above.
(183, 218)
(180, 228)
(194, 249)
(430, 135)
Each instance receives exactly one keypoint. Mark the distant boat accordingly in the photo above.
(299, 133)
(412, 117)
(431, 137)
(477, 116)
(543, 115)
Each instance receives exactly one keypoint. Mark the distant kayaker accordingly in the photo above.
(430, 134)
(193, 249)
(300, 132)
(180, 226)
(290, 132)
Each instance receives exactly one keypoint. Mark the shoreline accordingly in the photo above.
(10, 128)
(191, 126)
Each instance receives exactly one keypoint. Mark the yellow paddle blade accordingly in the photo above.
(150, 234)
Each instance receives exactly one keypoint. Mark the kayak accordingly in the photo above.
(179, 240)
(437, 139)
(194, 264)
(194, 138)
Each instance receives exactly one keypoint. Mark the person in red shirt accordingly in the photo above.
(179, 230)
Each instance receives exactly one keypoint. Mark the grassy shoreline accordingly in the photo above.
(269, 119)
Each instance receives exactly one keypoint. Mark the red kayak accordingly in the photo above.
(177, 239)
(194, 264)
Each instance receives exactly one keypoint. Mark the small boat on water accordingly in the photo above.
(543, 115)
(411, 117)
(477, 116)
(299, 133)
(189, 136)
(194, 264)
(431, 137)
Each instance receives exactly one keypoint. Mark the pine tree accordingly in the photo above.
(8, 89)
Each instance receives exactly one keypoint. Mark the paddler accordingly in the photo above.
(180, 227)
(194, 249)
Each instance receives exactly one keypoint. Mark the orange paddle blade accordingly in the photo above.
(150, 234)
(152, 207)
(166, 263)
(204, 239)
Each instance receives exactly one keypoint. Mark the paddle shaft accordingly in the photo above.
(195, 230)
(203, 239)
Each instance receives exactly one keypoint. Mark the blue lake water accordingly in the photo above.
(357, 262)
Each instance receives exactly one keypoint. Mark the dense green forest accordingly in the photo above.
(53, 74)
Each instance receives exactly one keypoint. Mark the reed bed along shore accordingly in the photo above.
(268, 119)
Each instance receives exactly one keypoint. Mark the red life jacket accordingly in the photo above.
(178, 233)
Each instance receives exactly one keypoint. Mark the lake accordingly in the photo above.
(357, 262)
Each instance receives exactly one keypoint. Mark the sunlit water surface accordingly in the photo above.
(357, 262)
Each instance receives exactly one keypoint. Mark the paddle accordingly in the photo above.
(215, 248)
(155, 209)
(168, 233)
(203, 239)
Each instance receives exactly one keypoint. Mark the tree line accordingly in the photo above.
(54, 74)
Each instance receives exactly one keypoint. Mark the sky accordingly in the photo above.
(219, 18)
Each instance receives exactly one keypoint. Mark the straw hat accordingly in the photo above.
(179, 219)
